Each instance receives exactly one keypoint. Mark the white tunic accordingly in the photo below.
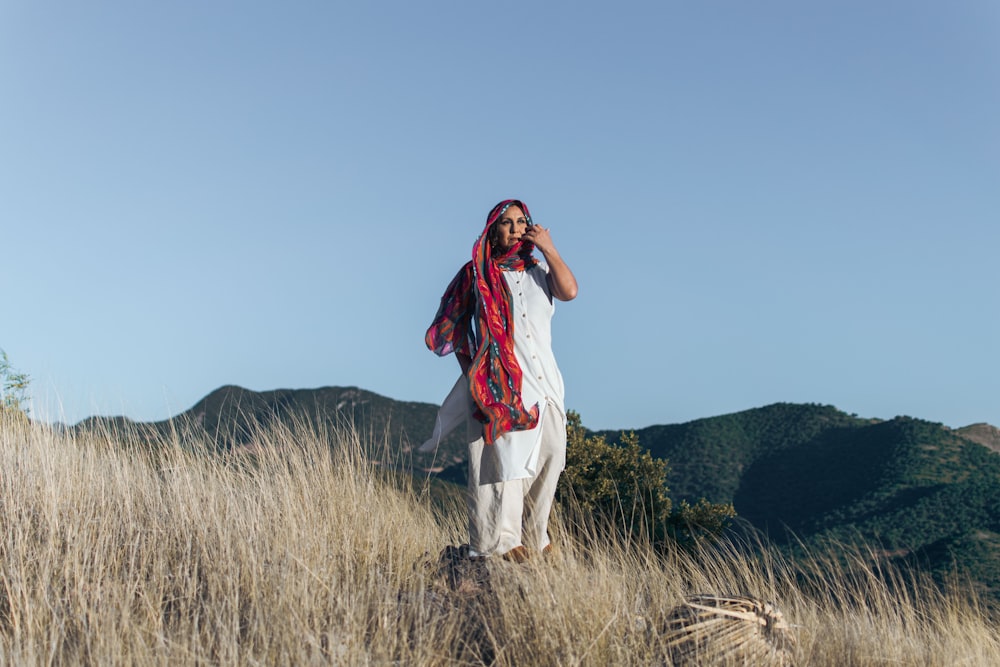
(532, 308)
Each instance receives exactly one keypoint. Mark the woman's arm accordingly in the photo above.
(562, 282)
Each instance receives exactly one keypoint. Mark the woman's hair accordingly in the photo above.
(493, 237)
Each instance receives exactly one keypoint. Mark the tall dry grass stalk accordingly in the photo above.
(302, 551)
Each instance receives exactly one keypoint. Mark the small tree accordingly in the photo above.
(689, 522)
(623, 487)
(13, 386)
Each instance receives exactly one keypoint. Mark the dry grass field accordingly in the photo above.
(299, 553)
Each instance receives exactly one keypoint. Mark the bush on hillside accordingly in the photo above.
(623, 488)
(13, 387)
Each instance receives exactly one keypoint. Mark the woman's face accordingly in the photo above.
(510, 226)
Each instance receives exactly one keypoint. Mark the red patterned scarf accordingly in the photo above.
(479, 294)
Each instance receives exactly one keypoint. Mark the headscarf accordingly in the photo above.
(479, 294)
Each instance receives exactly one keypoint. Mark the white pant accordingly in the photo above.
(496, 509)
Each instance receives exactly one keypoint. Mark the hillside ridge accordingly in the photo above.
(983, 433)
(800, 473)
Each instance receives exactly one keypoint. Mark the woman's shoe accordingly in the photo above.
(517, 555)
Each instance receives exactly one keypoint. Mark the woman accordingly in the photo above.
(495, 316)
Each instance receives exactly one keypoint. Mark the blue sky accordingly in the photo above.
(766, 201)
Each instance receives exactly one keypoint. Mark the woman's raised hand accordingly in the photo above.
(561, 280)
(539, 236)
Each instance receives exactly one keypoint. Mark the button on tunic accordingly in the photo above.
(515, 454)
(532, 307)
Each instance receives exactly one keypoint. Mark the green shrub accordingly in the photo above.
(13, 386)
(689, 522)
(622, 488)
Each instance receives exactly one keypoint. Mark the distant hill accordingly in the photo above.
(232, 417)
(709, 457)
(984, 434)
(925, 493)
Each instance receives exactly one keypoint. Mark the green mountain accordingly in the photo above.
(924, 493)
(805, 474)
(231, 418)
(708, 457)
(984, 434)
